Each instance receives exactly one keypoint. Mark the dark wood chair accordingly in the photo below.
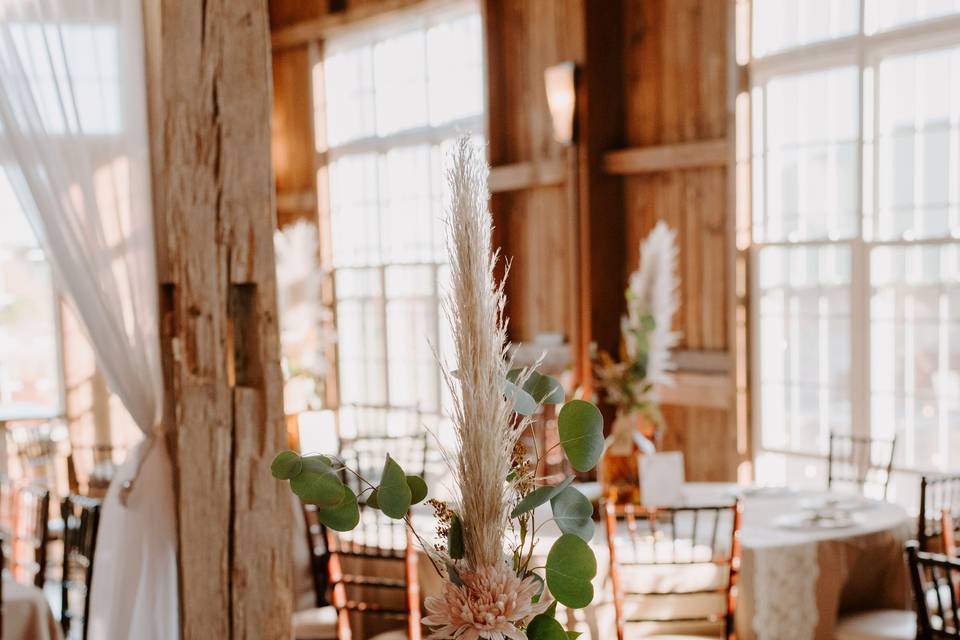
(938, 494)
(676, 540)
(935, 579)
(861, 462)
(81, 517)
(29, 537)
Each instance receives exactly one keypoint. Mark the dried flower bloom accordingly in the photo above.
(492, 604)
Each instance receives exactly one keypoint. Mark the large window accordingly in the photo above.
(30, 378)
(390, 99)
(855, 234)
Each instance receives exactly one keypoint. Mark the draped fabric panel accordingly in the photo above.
(74, 145)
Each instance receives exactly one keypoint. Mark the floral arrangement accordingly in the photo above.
(645, 361)
(491, 588)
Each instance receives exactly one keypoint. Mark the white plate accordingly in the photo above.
(810, 520)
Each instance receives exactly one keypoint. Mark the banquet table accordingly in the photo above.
(26, 614)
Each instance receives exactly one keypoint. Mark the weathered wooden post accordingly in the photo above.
(210, 97)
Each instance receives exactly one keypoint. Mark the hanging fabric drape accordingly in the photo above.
(74, 145)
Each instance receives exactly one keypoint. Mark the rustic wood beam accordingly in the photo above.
(527, 175)
(702, 390)
(317, 28)
(671, 157)
(208, 78)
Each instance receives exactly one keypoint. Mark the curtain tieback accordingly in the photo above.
(128, 486)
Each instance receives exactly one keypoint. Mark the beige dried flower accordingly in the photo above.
(492, 604)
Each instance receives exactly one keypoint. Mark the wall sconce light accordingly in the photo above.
(560, 82)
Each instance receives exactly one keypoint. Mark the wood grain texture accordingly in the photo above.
(210, 101)
(292, 144)
(523, 38)
(676, 96)
(669, 157)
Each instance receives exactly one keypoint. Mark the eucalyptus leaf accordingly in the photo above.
(418, 489)
(372, 500)
(455, 538)
(320, 487)
(286, 465)
(393, 494)
(317, 462)
(545, 627)
(539, 496)
(571, 566)
(523, 402)
(344, 516)
(573, 635)
(542, 388)
(573, 513)
(580, 426)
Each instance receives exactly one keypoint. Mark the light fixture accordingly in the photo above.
(560, 82)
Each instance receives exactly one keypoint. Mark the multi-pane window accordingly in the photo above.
(855, 233)
(390, 100)
(30, 378)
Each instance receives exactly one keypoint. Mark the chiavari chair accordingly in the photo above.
(676, 565)
(939, 495)
(935, 579)
(81, 517)
(29, 535)
(370, 573)
(861, 462)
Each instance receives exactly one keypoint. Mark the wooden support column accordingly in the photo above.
(209, 84)
(600, 120)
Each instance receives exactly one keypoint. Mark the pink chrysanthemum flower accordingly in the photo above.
(490, 605)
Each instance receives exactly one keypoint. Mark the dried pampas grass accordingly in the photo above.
(483, 418)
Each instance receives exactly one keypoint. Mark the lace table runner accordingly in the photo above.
(784, 585)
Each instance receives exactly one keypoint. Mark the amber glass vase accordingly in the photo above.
(619, 467)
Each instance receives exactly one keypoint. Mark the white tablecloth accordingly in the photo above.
(26, 614)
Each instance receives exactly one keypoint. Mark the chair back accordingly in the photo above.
(319, 556)
(81, 521)
(935, 579)
(655, 546)
(938, 494)
(372, 570)
(28, 553)
(861, 462)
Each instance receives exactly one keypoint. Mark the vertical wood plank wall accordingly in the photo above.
(213, 192)
(652, 75)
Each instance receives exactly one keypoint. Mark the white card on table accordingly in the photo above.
(661, 479)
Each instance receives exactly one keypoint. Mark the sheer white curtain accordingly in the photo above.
(74, 143)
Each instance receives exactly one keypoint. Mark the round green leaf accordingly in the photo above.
(418, 489)
(344, 516)
(523, 402)
(571, 566)
(542, 388)
(372, 500)
(455, 538)
(286, 465)
(393, 494)
(573, 513)
(322, 488)
(544, 627)
(317, 462)
(581, 434)
(539, 496)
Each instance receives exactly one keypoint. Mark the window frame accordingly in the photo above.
(864, 52)
(359, 33)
